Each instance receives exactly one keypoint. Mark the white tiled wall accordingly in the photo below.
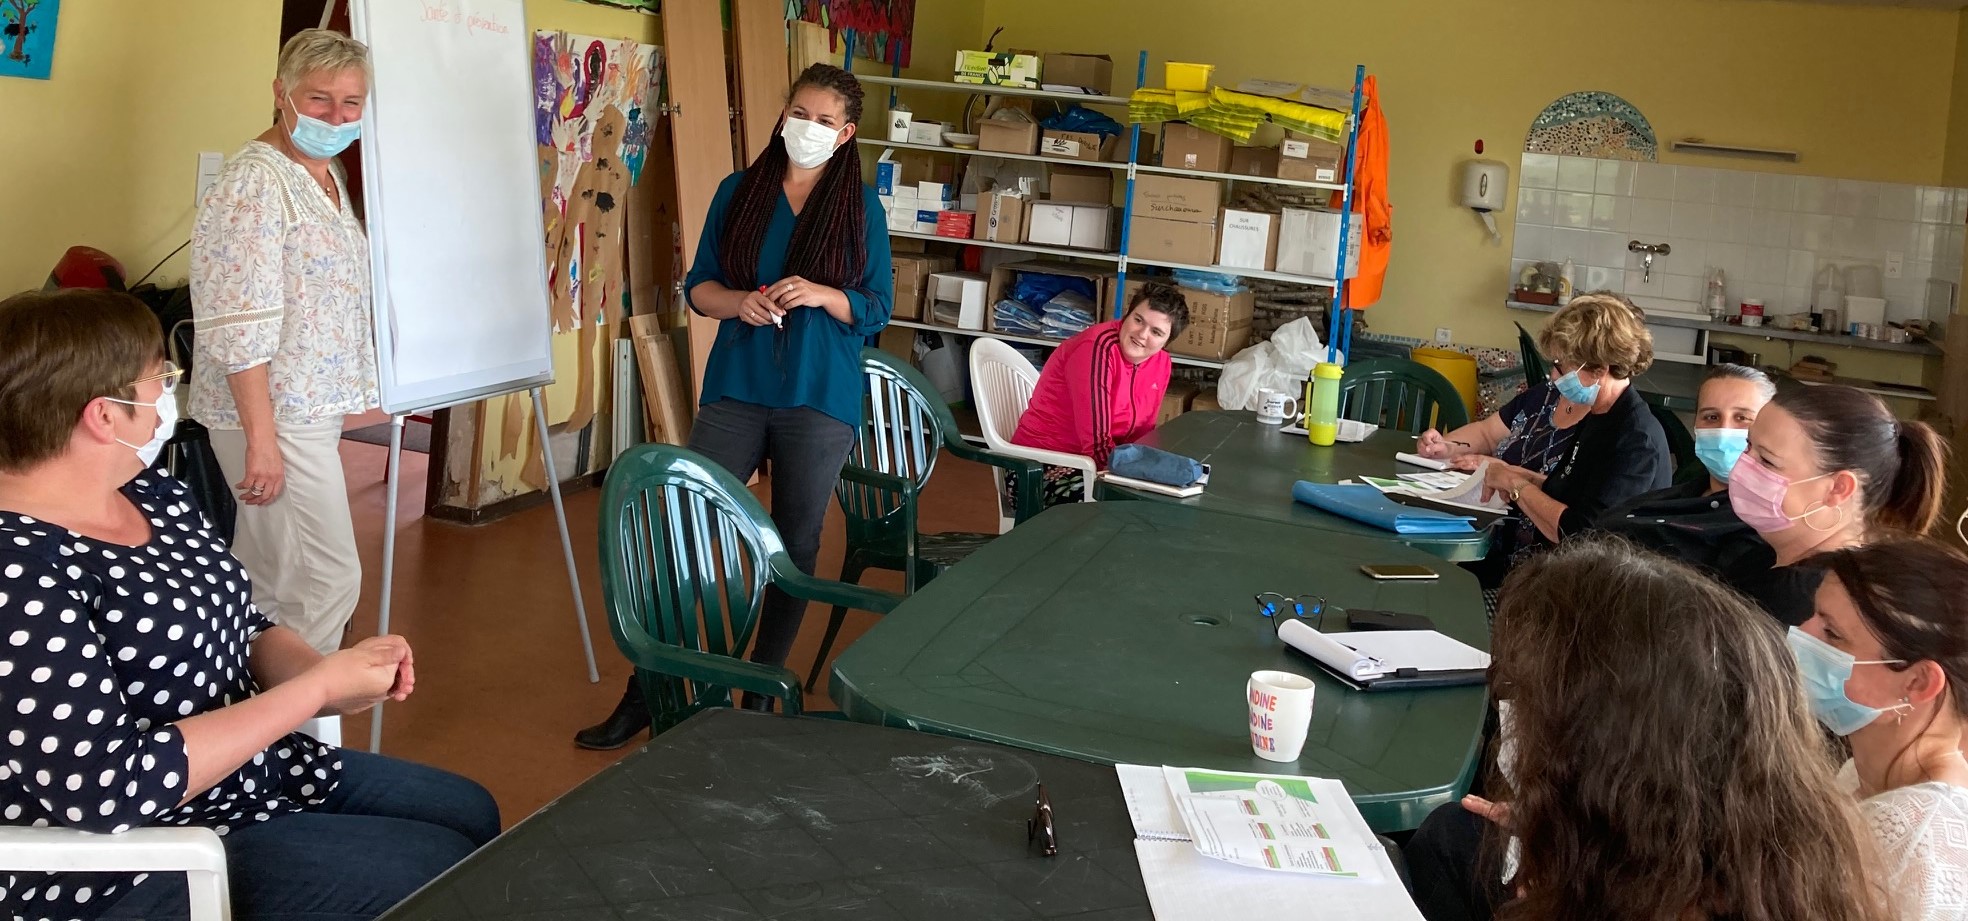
(1769, 233)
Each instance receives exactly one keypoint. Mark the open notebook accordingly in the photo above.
(1199, 863)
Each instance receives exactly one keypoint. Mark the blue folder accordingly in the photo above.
(1366, 505)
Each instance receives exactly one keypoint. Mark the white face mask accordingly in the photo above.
(167, 425)
(808, 143)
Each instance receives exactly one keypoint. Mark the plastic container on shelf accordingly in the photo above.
(1322, 413)
(1194, 78)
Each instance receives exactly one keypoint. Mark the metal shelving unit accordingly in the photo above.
(1033, 340)
(1131, 169)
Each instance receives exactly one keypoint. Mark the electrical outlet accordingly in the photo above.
(1441, 335)
(1895, 265)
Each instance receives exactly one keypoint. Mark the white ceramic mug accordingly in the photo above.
(1280, 714)
(1271, 406)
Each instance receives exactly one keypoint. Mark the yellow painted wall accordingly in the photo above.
(1954, 169)
(1862, 92)
(105, 152)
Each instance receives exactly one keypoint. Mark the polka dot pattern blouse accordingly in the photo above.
(102, 648)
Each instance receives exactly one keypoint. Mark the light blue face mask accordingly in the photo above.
(318, 139)
(1572, 389)
(1826, 668)
(1718, 449)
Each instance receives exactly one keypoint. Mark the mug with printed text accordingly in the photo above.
(1280, 714)
(1271, 406)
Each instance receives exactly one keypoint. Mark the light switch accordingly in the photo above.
(1895, 265)
(209, 164)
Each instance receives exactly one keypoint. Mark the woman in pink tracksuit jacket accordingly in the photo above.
(1103, 387)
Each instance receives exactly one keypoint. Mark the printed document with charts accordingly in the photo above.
(1220, 844)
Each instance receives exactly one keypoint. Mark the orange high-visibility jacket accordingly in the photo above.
(1370, 204)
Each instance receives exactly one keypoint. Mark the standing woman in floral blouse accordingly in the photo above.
(280, 290)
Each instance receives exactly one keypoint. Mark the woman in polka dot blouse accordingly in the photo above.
(139, 685)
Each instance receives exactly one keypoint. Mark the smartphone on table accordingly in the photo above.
(1386, 572)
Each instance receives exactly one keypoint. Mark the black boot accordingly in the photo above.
(630, 718)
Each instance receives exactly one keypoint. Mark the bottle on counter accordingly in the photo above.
(1718, 295)
(1567, 282)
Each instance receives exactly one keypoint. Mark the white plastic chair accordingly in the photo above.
(195, 852)
(1001, 382)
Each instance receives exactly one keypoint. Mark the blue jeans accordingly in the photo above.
(388, 828)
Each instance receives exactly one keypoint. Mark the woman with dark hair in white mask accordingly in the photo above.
(140, 684)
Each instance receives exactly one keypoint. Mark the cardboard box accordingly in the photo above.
(1254, 161)
(1008, 136)
(1067, 224)
(911, 274)
(1185, 146)
(1308, 243)
(998, 68)
(1186, 242)
(1074, 145)
(929, 133)
(1172, 198)
(1309, 159)
(965, 290)
(1247, 239)
(1204, 402)
(1175, 401)
(1004, 276)
(1219, 324)
(1001, 218)
(1085, 71)
(1089, 184)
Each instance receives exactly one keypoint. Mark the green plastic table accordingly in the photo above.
(1253, 467)
(1124, 632)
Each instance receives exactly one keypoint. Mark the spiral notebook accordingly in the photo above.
(1186, 885)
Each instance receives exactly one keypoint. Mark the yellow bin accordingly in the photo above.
(1194, 78)
(1459, 368)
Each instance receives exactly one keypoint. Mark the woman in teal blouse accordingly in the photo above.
(794, 265)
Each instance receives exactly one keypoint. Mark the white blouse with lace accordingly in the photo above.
(1922, 835)
(280, 276)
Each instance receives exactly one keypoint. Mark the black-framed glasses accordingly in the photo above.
(1039, 829)
(1279, 608)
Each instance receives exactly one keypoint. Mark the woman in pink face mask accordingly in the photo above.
(1827, 468)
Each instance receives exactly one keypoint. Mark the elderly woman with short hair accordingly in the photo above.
(1566, 451)
(140, 685)
(280, 291)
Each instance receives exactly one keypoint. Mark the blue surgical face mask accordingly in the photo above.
(318, 139)
(1826, 668)
(1571, 388)
(1718, 449)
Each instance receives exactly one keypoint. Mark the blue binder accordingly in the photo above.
(1366, 505)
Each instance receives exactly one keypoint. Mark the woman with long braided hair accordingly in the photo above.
(794, 264)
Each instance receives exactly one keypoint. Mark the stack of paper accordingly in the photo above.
(1446, 491)
(1217, 844)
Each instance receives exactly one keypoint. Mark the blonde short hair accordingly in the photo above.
(312, 51)
(1600, 330)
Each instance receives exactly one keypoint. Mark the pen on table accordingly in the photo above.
(776, 321)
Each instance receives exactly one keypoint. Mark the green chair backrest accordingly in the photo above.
(903, 425)
(1527, 354)
(684, 563)
(1395, 393)
(1680, 445)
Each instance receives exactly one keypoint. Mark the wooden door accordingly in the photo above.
(759, 38)
(700, 123)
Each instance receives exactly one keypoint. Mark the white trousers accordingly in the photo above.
(299, 549)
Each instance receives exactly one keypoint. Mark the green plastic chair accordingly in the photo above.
(1680, 446)
(1527, 355)
(904, 427)
(1395, 393)
(686, 555)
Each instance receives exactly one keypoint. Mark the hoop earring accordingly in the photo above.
(1899, 716)
(1806, 517)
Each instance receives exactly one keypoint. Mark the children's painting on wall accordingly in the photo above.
(27, 37)
(878, 29)
(593, 101)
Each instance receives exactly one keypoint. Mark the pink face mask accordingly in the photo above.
(1757, 493)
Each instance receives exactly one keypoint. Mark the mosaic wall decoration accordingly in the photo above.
(1593, 124)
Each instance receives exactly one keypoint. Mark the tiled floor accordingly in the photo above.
(500, 683)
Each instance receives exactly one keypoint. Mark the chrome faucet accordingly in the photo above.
(1647, 261)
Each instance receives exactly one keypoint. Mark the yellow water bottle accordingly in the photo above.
(1322, 415)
